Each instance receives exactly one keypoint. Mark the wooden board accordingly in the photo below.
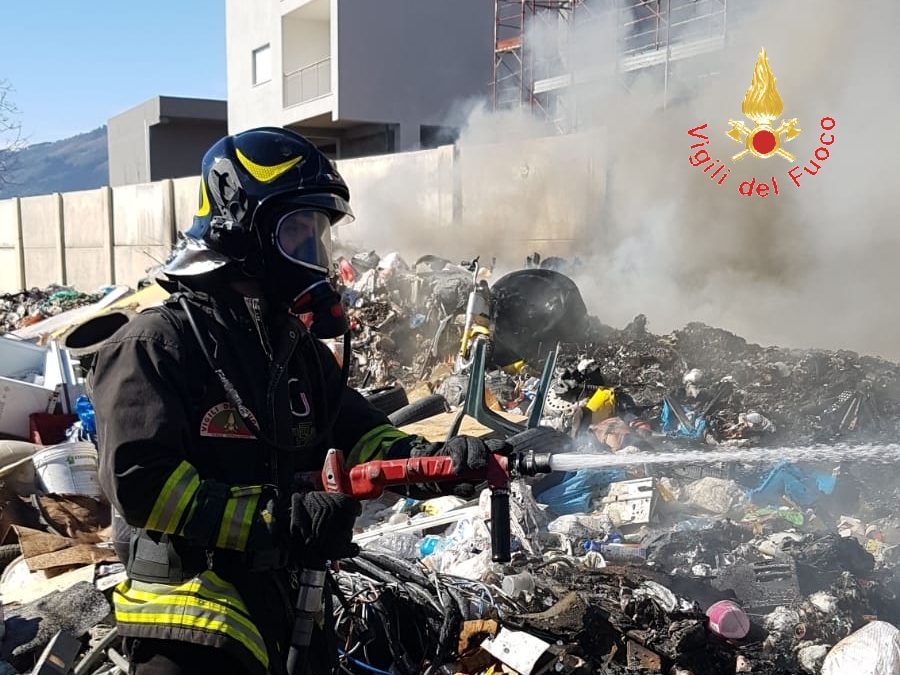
(435, 428)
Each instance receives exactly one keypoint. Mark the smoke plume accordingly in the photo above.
(813, 266)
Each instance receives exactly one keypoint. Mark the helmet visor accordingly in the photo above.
(303, 236)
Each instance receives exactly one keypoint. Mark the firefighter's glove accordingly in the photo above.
(322, 527)
(465, 452)
(264, 532)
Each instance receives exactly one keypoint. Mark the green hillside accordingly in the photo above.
(76, 163)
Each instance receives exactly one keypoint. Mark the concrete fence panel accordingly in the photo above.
(87, 227)
(186, 195)
(402, 202)
(42, 240)
(504, 199)
(12, 270)
(528, 196)
(144, 228)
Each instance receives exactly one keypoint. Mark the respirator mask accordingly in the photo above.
(297, 260)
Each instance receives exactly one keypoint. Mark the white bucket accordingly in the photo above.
(68, 468)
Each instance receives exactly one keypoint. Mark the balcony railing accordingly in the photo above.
(307, 83)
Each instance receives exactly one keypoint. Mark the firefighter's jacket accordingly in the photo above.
(180, 464)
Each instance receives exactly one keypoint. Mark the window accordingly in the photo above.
(262, 64)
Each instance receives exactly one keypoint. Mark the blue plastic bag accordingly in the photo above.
(670, 425)
(577, 489)
(785, 479)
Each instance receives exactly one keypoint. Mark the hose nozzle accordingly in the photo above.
(528, 463)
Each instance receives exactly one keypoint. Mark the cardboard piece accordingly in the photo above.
(435, 428)
(44, 551)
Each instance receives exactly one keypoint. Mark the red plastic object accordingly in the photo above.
(348, 274)
(49, 428)
(728, 620)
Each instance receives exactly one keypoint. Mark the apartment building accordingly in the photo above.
(358, 77)
(163, 137)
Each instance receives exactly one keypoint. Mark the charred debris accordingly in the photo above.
(674, 568)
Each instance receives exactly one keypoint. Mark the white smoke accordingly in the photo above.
(813, 266)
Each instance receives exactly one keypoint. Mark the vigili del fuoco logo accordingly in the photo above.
(762, 104)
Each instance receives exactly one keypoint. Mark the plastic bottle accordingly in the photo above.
(695, 524)
(627, 553)
(85, 411)
(401, 544)
(428, 544)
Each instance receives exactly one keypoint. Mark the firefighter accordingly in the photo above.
(208, 404)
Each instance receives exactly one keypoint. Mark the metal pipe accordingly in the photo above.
(668, 54)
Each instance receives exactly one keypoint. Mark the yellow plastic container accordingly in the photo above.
(602, 404)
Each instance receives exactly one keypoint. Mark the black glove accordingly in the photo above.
(465, 452)
(322, 527)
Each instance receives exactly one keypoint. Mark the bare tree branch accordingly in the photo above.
(11, 140)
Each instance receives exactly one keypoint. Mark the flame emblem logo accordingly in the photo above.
(762, 104)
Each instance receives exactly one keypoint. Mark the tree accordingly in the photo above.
(11, 140)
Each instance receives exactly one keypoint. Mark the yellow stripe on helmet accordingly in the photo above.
(203, 210)
(266, 174)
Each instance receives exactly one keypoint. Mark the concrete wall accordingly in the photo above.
(144, 217)
(503, 200)
(88, 236)
(315, 45)
(178, 146)
(408, 62)
(534, 196)
(127, 143)
(186, 199)
(12, 266)
(42, 239)
(403, 201)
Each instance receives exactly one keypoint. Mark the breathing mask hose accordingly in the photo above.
(234, 397)
(331, 416)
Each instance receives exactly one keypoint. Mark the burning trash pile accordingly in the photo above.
(698, 383)
(715, 506)
(680, 504)
(634, 569)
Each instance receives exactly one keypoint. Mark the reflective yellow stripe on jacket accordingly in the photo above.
(175, 506)
(374, 444)
(205, 603)
(177, 495)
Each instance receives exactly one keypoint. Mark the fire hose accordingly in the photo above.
(370, 479)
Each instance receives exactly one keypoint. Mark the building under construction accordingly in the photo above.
(550, 55)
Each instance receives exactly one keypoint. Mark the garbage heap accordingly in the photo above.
(759, 555)
(635, 570)
(701, 383)
(18, 310)
(733, 562)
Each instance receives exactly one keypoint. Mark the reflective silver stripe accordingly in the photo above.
(205, 603)
(175, 496)
(240, 511)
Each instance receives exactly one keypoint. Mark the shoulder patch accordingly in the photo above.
(223, 421)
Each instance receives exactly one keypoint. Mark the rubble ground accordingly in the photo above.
(701, 568)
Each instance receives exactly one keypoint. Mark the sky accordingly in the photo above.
(73, 65)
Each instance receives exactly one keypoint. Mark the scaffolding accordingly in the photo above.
(647, 35)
